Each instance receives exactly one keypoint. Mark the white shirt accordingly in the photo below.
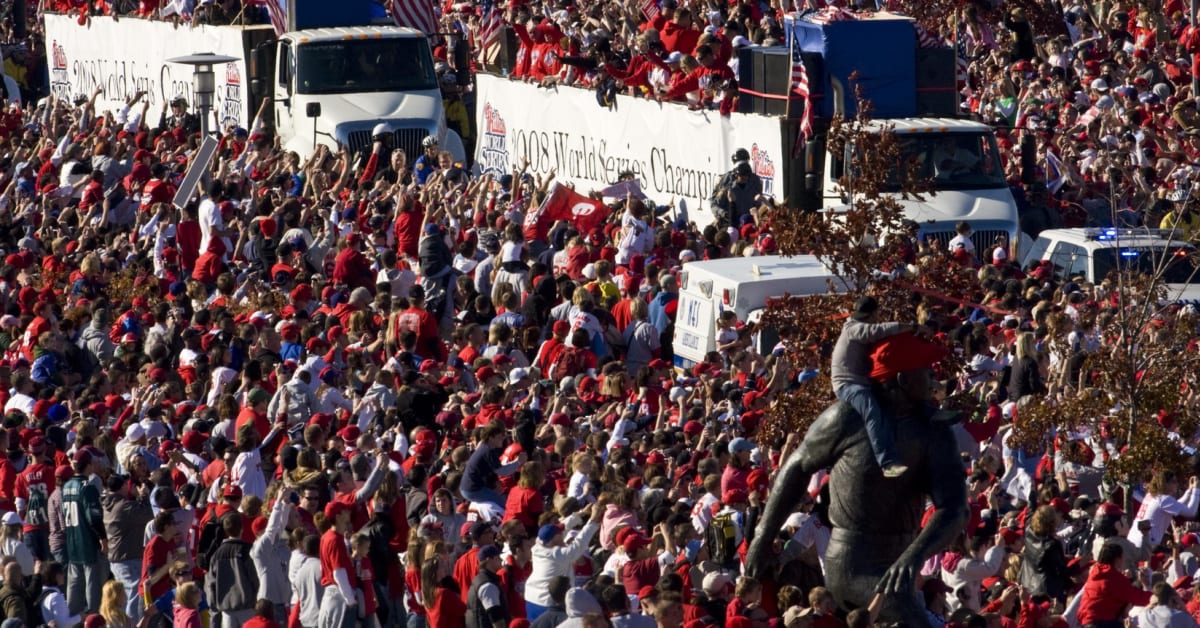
(247, 473)
(1159, 510)
(54, 609)
(20, 401)
(209, 217)
(702, 513)
(964, 240)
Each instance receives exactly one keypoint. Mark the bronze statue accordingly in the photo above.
(877, 541)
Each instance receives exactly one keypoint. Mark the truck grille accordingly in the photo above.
(983, 240)
(408, 139)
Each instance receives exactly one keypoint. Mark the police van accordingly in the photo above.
(1092, 254)
(743, 285)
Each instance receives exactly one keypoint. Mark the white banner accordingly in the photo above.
(129, 55)
(674, 152)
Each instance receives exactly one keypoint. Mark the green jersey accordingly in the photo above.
(83, 520)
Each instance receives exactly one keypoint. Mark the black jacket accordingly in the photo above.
(1043, 566)
(232, 582)
(477, 616)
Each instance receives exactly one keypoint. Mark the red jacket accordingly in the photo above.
(1106, 593)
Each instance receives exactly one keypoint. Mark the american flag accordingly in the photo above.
(416, 14)
(277, 11)
(799, 87)
(649, 9)
(489, 32)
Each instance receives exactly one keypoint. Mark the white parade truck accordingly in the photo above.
(332, 81)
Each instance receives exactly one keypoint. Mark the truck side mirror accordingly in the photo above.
(258, 87)
(312, 109)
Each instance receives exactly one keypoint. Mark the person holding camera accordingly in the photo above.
(737, 192)
(126, 513)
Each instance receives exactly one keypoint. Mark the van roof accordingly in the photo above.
(769, 267)
(1107, 238)
(354, 32)
(930, 125)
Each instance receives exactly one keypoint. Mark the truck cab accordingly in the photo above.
(962, 162)
(356, 77)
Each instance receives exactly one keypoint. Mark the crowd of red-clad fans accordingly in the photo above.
(376, 390)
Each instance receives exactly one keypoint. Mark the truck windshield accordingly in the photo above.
(1180, 268)
(365, 65)
(953, 161)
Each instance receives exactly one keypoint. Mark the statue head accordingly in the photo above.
(901, 368)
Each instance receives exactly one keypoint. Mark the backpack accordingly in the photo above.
(211, 536)
(570, 362)
(721, 538)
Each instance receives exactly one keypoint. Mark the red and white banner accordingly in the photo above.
(649, 9)
(563, 203)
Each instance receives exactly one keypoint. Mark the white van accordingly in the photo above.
(743, 285)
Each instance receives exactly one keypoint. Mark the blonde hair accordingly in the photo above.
(1025, 346)
(188, 595)
(112, 604)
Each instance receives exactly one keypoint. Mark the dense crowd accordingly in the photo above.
(338, 391)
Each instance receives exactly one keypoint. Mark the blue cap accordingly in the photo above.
(547, 532)
(807, 375)
(740, 444)
(58, 412)
(432, 228)
(488, 552)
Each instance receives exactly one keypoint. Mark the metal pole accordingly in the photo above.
(204, 111)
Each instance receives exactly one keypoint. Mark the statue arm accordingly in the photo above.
(819, 450)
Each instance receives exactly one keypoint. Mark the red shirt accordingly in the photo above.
(259, 622)
(333, 557)
(512, 584)
(465, 571)
(1106, 593)
(636, 574)
(156, 554)
(448, 610)
(422, 323)
(408, 231)
(36, 479)
(187, 236)
(259, 421)
(366, 584)
(524, 505)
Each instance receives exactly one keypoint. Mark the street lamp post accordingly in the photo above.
(204, 82)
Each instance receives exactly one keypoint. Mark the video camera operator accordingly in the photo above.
(737, 192)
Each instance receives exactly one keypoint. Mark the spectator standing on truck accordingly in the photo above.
(180, 118)
(735, 197)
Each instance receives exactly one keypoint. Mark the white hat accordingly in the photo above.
(1100, 85)
(12, 519)
(675, 57)
(517, 375)
(999, 254)
(589, 271)
(740, 41)
(715, 582)
(135, 432)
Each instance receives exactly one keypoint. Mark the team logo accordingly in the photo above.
(493, 151)
(582, 209)
(231, 105)
(764, 168)
(60, 82)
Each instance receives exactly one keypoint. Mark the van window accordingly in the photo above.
(1038, 250)
(1069, 259)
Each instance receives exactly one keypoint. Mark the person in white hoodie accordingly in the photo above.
(964, 568)
(553, 557)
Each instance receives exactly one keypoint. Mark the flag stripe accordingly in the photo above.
(278, 14)
(416, 14)
(800, 87)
